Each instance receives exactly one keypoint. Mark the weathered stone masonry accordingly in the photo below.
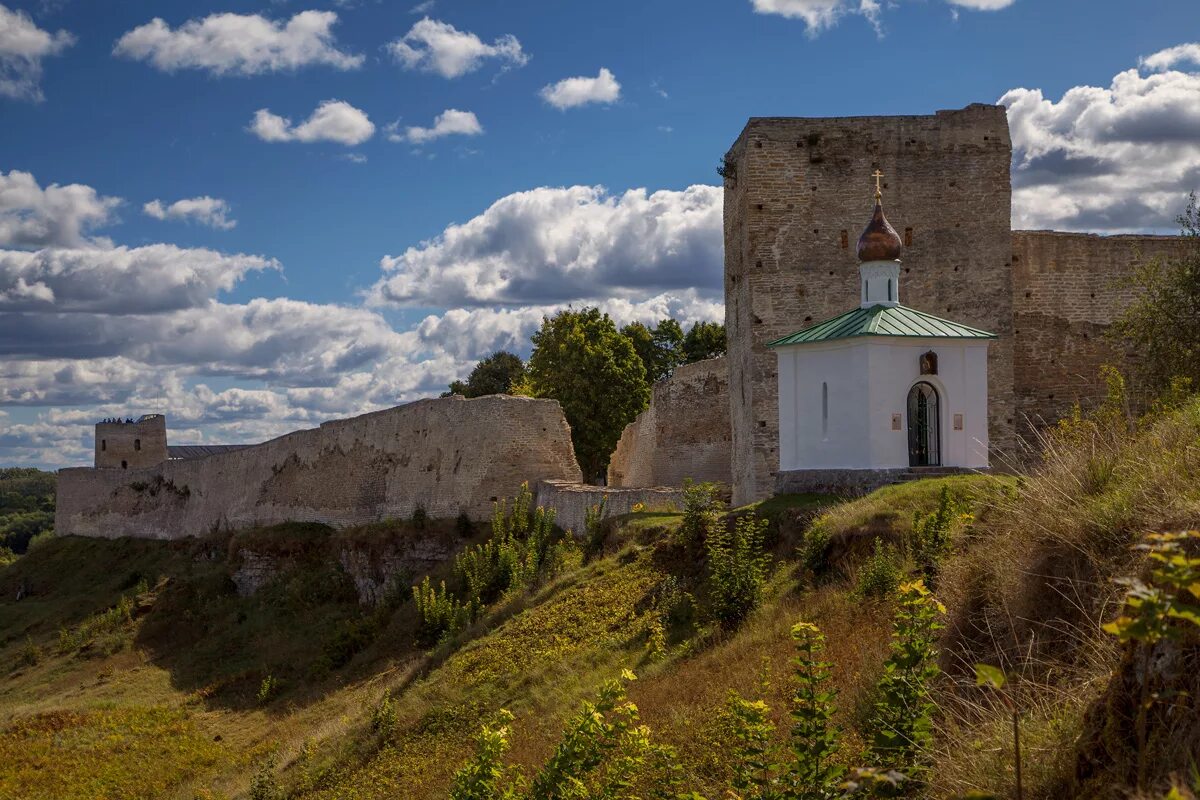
(447, 455)
(685, 433)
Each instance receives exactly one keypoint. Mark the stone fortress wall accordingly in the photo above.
(1067, 289)
(685, 433)
(447, 456)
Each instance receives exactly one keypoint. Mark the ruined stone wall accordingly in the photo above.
(798, 193)
(447, 456)
(571, 501)
(685, 432)
(1067, 290)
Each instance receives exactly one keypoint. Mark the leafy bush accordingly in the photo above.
(880, 574)
(268, 689)
(439, 611)
(931, 533)
(903, 718)
(702, 508)
(483, 777)
(594, 529)
(737, 569)
(814, 740)
(750, 727)
(814, 549)
(264, 785)
(383, 716)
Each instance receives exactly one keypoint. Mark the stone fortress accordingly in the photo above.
(796, 192)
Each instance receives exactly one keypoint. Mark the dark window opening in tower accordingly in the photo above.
(137, 444)
(103, 444)
(124, 465)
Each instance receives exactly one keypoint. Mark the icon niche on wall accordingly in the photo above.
(929, 363)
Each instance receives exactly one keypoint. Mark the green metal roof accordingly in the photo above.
(881, 320)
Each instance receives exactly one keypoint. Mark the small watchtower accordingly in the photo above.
(122, 443)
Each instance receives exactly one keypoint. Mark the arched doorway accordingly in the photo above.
(924, 432)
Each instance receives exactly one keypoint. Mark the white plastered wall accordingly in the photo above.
(867, 380)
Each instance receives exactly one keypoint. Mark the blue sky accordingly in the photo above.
(317, 277)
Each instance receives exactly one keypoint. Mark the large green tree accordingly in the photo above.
(496, 374)
(704, 340)
(1162, 326)
(660, 347)
(581, 360)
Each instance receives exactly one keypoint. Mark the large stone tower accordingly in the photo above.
(793, 185)
(129, 445)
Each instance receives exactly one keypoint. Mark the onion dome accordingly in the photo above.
(879, 240)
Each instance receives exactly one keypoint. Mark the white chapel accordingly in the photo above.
(882, 389)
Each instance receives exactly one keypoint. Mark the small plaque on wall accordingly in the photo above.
(896, 422)
(958, 422)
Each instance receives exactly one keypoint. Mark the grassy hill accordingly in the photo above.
(133, 669)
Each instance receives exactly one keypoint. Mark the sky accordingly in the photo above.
(257, 216)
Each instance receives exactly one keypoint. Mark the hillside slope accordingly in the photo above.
(125, 653)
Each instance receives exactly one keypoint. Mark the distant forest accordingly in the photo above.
(26, 508)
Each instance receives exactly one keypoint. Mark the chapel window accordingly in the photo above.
(825, 410)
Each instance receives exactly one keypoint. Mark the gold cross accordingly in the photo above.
(878, 176)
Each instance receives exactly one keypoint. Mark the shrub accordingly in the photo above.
(750, 727)
(383, 716)
(814, 739)
(814, 549)
(903, 718)
(268, 689)
(264, 785)
(931, 534)
(439, 611)
(880, 574)
(737, 565)
(519, 553)
(702, 509)
(483, 777)
(595, 531)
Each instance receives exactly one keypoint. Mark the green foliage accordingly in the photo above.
(582, 361)
(484, 776)
(595, 531)
(603, 750)
(264, 785)
(903, 716)
(498, 373)
(814, 548)
(814, 773)
(750, 727)
(439, 611)
(26, 506)
(383, 716)
(102, 633)
(990, 676)
(518, 554)
(704, 340)
(880, 574)
(268, 689)
(737, 569)
(1154, 611)
(1162, 325)
(702, 509)
(931, 533)
(660, 348)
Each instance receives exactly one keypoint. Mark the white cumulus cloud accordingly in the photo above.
(578, 91)
(56, 216)
(818, 15)
(332, 121)
(23, 45)
(239, 44)
(210, 211)
(440, 48)
(450, 122)
(561, 244)
(1173, 56)
(1115, 158)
